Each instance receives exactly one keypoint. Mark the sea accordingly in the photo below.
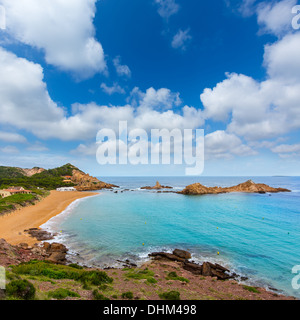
(255, 235)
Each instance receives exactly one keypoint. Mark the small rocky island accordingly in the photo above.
(248, 187)
(158, 186)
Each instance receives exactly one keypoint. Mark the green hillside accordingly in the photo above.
(48, 179)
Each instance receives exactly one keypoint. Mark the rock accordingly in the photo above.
(248, 187)
(57, 247)
(193, 268)
(57, 257)
(165, 255)
(206, 269)
(40, 235)
(182, 254)
(158, 186)
(220, 275)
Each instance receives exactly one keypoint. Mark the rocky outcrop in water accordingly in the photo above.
(85, 182)
(158, 186)
(248, 187)
(207, 269)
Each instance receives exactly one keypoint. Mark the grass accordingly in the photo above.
(21, 289)
(127, 295)
(99, 296)
(62, 293)
(170, 295)
(141, 274)
(173, 276)
(251, 289)
(52, 271)
(9, 203)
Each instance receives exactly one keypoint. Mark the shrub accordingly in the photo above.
(170, 295)
(52, 271)
(141, 274)
(127, 295)
(173, 276)
(22, 289)
(99, 296)
(62, 293)
(251, 289)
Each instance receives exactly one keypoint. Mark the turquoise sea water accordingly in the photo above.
(257, 235)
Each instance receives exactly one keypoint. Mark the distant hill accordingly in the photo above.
(67, 175)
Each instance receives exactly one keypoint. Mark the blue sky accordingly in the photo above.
(71, 68)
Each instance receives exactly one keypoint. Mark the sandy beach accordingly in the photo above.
(12, 225)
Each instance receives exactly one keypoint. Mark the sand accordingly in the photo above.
(12, 225)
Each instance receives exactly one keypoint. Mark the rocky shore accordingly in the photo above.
(170, 276)
(247, 187)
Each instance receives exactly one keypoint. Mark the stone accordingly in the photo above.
(182, 254)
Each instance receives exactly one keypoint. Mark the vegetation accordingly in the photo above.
(9, 203)
(62, 293)
(141, 274)
(251, 289)
(52, 271)
(173, 276)
(21, 289)
(127, 295)
(170, 295)
(48, 179)
(99, 296)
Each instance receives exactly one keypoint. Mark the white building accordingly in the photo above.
(66, 189)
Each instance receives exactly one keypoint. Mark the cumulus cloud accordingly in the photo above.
(167, 8)
(115, 88)
(286, 148)
(64, 30)
(180, 39)
(220, 144)
(261, 110)
(12, 137)
(121, 69)
(26, 104)
(9, 150)
(275, 17)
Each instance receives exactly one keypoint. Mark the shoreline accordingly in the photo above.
(12, 225)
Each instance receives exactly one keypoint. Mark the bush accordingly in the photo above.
(127, 295)
(22, 289)
(173, 276)
(52, 271)
(61, 293)
(99, 296)
(141, 274)
(251, 289)
(170, 295)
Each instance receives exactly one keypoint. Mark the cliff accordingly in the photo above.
(248, 187)
(85, 182)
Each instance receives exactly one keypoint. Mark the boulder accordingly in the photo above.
(206, 269)
(182, 254)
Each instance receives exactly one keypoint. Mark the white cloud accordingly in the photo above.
(9, 149)
(180, 39)
(275, 17)
(115, 88)
(62, 29)
(12, 137)
(167, 8)
(37, 147)
(26, 104)
(221, 144)
(261, 110)
(121, 69)
(286, 148)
